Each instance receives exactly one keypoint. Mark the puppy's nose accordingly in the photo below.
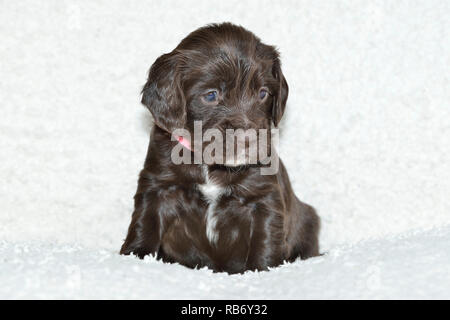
(241, 122)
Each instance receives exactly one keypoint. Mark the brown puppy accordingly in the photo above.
(228, 217)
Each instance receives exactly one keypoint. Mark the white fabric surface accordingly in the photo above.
(366, 140)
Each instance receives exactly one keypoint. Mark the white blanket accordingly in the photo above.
(366, 140)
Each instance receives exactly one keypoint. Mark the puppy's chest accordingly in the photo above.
(227, 216)
(214, 215)
(211, 192)
(218, 232)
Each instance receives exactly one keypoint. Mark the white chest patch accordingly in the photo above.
(211, 192)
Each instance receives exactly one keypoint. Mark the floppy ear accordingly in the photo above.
(163, 95)
(280, 97)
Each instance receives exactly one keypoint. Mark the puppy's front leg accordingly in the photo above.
(145, 230)
(267, 244)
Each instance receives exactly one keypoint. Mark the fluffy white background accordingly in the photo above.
(366, 140)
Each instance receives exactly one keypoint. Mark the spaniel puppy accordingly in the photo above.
(227, 216)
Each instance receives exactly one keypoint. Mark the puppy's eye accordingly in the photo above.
(210, 97)
(263, 94)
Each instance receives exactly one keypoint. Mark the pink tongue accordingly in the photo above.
(184, 142)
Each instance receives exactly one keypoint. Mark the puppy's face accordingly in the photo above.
(221, 75)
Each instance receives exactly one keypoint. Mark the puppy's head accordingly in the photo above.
(221, 75)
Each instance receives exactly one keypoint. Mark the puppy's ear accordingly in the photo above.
(280, 97)
(163, 94)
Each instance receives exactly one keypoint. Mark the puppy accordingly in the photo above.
(227, 216)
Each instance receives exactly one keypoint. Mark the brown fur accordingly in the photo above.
(260, 222)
